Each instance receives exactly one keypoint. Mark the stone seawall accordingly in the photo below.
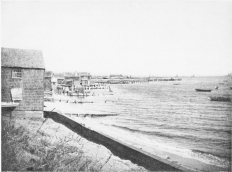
(122, 150)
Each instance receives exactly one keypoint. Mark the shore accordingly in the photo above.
(88, 154)
(51, 146)
(171, 154)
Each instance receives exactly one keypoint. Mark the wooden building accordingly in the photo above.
(59, 77)
(117, 77)
(23, 70)
(84, 78)
(48, 81)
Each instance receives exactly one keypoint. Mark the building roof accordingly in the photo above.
(67, 82)
(115, 75)
(59, 75)
(22, 58)
(69, 74)
(84, 78)
(82, 74)
(48, 74)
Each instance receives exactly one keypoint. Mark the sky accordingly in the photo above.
(130, 37)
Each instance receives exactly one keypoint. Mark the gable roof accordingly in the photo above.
(69, 74)
(11, 57)
(59, 75)
(48, 74)
(82, 74)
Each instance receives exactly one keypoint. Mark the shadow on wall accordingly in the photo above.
(121, 150)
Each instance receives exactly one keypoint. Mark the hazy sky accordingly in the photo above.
(141, 38)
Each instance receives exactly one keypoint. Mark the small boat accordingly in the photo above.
(222, 99)
(203, 90)
(110, 90)
(176, 84)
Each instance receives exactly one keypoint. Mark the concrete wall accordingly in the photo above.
(32, 84)
(118, 148)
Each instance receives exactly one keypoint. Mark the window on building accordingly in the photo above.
(16, 73)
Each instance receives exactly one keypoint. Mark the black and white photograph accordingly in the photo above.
(116, 85)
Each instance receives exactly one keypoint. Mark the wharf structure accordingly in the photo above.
(22, 80)
(164, 79)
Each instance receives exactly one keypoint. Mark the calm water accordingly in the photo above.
(176, 115)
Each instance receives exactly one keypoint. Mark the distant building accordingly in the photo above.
(84, 78)
(70, 75)
(116, 77)
(59, 77)
(23, 70)
(50, 81)
(75, 79)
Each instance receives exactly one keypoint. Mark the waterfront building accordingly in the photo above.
(117, 77)
(50, 81)
(84, 78)
(22, 76)
(59, 77)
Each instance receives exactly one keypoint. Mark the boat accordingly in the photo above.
(176, 84)
(222, 99)
(203, 90)
(110, 90)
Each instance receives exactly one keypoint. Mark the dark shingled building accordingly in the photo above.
(48, 80)
(23, 69)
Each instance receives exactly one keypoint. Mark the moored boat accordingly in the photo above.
(203, 90)
(110, 90)
(222, 99)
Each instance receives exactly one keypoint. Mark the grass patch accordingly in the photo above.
(22, 151)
